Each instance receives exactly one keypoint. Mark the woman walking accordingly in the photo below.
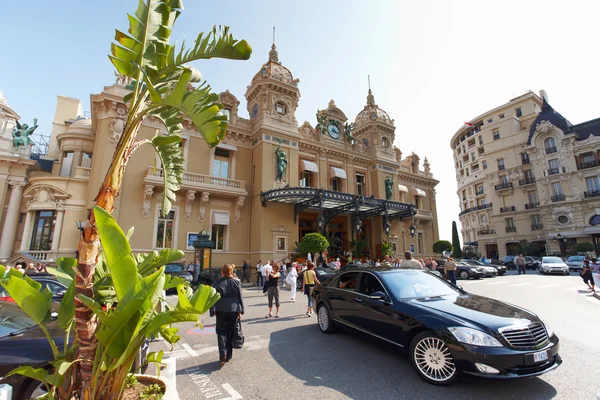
(273, 291)
(292, 280)
(309, 279)
(228, 310)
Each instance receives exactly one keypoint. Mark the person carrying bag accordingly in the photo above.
(309, 279)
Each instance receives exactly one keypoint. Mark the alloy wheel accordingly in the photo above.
(39, 392)
(464, 275)
(433, 360)
(323, 318)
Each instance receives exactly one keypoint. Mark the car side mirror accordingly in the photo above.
(53, 315)
(378, 295)
(61, 293)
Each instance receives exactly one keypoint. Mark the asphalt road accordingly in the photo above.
(289, 358)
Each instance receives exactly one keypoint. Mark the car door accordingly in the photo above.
(377, 316)
(341, 293)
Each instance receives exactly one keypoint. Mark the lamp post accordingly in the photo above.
(561, 243)
(412, 228)
(202, 253)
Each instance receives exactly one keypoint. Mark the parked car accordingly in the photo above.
(178, 270)
(500, 269)
(323, 273)
(508, 262)
(446, 330)
(57, 289)
(208, 275)
(530, 262)
(575, 263)
(464, 271)
(553, 265)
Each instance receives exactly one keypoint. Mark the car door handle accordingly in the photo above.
(358, 300)
(329, 292)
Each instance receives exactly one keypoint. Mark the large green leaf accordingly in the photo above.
(65, 270)
(26, 293)
(170, 153)
(150, 262)
(117, 251)
(66, 311)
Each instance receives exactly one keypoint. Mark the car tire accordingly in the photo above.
(324, 319)
(424, 345)
(35, 390)
(463, 275)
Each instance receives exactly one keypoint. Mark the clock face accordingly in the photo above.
(373, 116)
(333, 131)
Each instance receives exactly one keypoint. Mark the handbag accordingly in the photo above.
(238, 336)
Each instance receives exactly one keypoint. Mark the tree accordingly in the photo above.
(161, 84)
(441, 246)
(313, 243)
(584, 247)
(334, 243)
(456, 251)
(358, 246)
(468, 252)
(386, 249)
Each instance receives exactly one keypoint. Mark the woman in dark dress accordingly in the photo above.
(228, 310)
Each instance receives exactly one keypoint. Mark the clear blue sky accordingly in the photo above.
(433, 64)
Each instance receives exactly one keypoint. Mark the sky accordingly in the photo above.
(433, 64)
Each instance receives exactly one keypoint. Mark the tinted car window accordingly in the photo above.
(12, 319)
(410, 284)
(551, 260)
(52, 286)
(575, 258)
(348, 281)
(173, 268)
(370, 284)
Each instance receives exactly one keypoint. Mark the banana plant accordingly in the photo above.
(165, 86)
(124, 322)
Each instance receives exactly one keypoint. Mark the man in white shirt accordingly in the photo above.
(258, 273)
(410, 263)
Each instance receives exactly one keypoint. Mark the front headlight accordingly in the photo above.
(479, 269)
(474, 337)
(548, 329)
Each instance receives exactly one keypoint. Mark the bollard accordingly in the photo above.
(169, 368)
(5, 392)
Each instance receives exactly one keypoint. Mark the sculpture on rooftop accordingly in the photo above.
(21, 134)
(321, 122)
(348, 128)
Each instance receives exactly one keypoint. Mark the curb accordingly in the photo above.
(168, 374)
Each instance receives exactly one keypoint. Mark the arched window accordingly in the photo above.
(281, 108)
(595, 220)
(385, 142)
(550, 145)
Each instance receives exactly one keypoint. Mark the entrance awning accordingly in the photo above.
(403, 188)
(420, 192)
(338, 173)
(332, 203)
(590, 230)
(568, 234)
(306, 165)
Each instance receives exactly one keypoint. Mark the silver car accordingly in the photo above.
(553, 265)
(575, 263)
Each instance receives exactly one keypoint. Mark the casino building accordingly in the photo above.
(268, 183)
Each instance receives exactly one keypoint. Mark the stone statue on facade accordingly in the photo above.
(348, 128)
(21, 134)
(321, 122)
(389, 186)
(281, 163)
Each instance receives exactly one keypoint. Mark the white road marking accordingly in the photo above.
(520, 284)
(547, 286)
(495, 283)
(190, 351)
(233, 394)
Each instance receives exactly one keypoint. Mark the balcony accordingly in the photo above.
(504, 185)
(82, 173)
(595, 193)
(479, 192)
(501, 167)
(551, 150)
(510, 229)
(553, 171)
(525, 161)
(557, 198)
(527, 181)
(424, 214)
(192, 181)
(587, 164)
(481, 207)
(486, 232)
(537, 227)
(531, 206)
(507, 209)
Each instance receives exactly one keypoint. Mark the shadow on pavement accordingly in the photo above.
(360, 367)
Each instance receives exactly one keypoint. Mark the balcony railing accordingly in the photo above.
(200, 181)
(525, 161)
(550, 150)
(527, 181)
(588, 164)
(501, 167)
(558, 197)
(82, 172)
(595, 193)
(510, 229)
(424, 214)
(504, 185)
(479, 192)
(487, 232)
(481, 207)
(537, 227)
(507, 209)
(530, 206)
(553, 171)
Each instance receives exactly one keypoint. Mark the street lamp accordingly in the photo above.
(412, 229)
(561, 243)
(387, 227)
(202, 253)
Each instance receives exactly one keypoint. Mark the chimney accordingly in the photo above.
(544, 95)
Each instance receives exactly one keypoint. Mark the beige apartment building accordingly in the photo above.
(334, 180)
(524, 172)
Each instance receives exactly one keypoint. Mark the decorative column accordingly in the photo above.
(60, 212)
(11, 222)
(27, 231)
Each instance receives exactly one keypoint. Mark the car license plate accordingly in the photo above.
(541, 356)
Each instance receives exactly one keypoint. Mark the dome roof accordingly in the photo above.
(275, 70)
(372, 112)
(548, 114)
(81, 126)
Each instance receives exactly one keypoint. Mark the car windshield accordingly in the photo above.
(173, 268)
(12, 319)
(552, 260)
(408, 284)
(575, 258)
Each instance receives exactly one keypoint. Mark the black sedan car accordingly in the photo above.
(57, 289)
(500, 268)
(464, 271)
(445, 330)
(323, 273)
(178, 270)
